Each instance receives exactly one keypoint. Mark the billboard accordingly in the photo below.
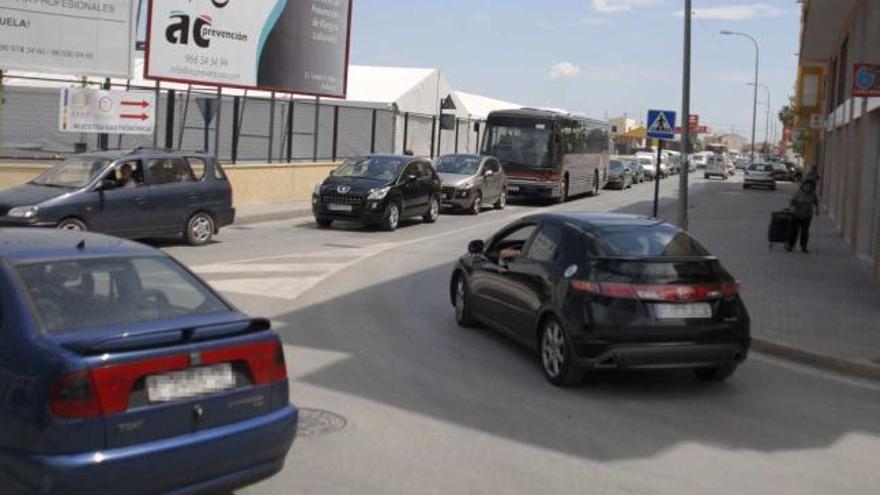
(292, 46)
(81, 38)
(111, 112)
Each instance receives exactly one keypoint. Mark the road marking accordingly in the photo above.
(282, 279)
(289, 280)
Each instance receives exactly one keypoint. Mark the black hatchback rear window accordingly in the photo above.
(659, 240)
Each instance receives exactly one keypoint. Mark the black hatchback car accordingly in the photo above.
(594, 291)
(134, 194)
(378, 190)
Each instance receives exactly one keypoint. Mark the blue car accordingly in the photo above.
(122, 372)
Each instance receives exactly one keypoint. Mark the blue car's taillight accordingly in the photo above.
(106, 390)
(75, 397)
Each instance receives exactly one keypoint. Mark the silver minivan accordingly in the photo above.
(471, 182)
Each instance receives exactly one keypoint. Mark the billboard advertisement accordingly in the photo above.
(102, 111)
(81, 38)
(291, 46)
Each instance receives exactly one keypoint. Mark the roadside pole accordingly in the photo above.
(657, 178)
(685, 123)
(660, 126)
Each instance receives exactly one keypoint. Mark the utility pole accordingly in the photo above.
(755, 96)
(685, 121)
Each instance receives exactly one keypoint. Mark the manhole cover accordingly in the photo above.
(313, 422)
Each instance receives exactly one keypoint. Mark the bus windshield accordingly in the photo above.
(520, 143)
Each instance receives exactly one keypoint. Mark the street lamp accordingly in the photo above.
(766, 129)
(755, 104)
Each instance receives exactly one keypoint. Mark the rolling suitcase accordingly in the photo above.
(781, 223)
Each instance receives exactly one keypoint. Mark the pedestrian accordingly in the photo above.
(803, 204)
(813, 175)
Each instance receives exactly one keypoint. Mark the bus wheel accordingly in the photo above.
(563, 194)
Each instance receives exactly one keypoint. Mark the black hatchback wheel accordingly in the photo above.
(556, 356)
(392, 217)
(433, 210)
(462, 299)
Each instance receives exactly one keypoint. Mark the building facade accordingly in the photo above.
(843, 130)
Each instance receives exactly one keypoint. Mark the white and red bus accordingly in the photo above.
(549, 155)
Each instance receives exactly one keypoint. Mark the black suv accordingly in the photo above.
(378, 190)
(135, 194)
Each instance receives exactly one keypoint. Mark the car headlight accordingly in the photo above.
(377, 194)
(467, 186)
(24, 212)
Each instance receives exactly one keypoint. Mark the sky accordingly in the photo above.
(598, 57)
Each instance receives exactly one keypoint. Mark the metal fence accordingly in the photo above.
(243, 127)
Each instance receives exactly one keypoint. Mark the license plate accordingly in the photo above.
(190, 383)
(334, 207)
(512, 188)
(683, 311)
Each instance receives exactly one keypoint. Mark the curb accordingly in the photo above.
(846, 367)
(273, 217)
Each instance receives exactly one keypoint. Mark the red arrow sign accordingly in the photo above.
(142, 103)
(142, 117)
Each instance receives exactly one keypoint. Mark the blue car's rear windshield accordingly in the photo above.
(86, 293)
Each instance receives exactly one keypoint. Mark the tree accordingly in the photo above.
(788, 114)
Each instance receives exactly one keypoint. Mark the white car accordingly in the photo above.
(716, 166)
(649, 165)
(700, 159)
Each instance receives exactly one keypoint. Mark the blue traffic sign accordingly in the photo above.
(661, 124)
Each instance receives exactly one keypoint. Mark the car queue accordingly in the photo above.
(139, 360)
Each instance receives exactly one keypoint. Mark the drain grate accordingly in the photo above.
(314, 422)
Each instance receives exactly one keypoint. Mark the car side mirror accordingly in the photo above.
(476, 247)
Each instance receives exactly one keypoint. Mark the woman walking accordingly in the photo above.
(803, 204)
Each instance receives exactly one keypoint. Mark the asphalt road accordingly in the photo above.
(397, 399)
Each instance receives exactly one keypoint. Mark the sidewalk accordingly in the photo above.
(819, 308)
(245, 215)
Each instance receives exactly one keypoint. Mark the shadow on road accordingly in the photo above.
(406, 351)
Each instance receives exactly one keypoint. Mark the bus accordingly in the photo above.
(549, 155)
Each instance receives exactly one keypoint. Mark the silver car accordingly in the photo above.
(760, 175)
(471, 182)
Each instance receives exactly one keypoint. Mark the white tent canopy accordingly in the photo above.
(412, 90)
(479, 107)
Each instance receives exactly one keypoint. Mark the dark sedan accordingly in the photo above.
(122, 372)
(378, 190)
(594, 291)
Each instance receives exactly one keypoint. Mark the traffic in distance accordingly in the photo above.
(137, 358)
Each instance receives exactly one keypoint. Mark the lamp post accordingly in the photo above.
(685, 121)
(755, 104)
(767, 129)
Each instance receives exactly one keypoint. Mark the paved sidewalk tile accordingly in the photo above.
(823, 302)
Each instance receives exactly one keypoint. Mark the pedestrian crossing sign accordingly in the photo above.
(661, 124)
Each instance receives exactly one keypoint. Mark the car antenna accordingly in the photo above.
(81, 245)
